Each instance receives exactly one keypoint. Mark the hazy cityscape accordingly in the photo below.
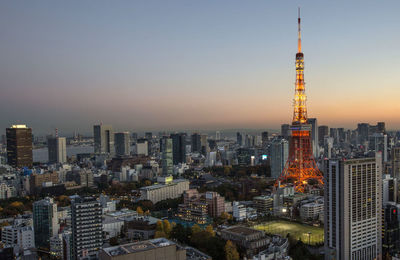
(113, 167)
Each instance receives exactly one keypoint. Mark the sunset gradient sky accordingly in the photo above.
(194, 64)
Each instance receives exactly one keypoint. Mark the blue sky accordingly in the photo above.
(195, 64)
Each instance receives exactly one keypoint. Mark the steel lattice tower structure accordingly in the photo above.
(300, 169)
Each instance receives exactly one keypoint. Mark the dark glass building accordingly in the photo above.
(19, 146)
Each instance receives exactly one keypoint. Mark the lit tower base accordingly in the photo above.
(300, 169)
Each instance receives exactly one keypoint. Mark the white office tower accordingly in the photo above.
(103, 139)
(57, 148)
(279, 153)
(353, 208)
(239, 211)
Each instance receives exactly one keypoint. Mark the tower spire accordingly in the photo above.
(299, 32)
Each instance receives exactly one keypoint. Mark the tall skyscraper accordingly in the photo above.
(205, 148)
(19, 146)
(45, 221)
(279, 152)
(239, 138)
(196, 143)
(301, 166)
(353, 208)
(314, 135)
(122, 144)
(57, 148)
(396, 162)
(103, 139)
(166, 155)
(363, 132)
(378, 143)
(264, 138)
(179, 148)
(285, 129)
(86, 223)
(323, 131)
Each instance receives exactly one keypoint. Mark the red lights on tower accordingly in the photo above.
(301, 169)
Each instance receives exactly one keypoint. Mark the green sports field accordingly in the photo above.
(308, 234)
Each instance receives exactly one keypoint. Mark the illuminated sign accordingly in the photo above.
(264, 157)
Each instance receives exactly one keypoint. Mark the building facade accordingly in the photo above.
(57, 149)
(103, 139)
(122, 144)
(19, 146)
(86, 223)
(45, 221)
(353, 208)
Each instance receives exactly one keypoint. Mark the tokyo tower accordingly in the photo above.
(300, 168)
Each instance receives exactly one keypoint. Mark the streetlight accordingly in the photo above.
(309, 238)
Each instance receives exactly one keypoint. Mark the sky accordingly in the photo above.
(196, 64)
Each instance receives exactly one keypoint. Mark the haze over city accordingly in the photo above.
(195, 64)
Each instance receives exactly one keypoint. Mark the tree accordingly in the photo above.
(114, 241)
(210, 230)
(166, 227)
(231, 251)
(160, 234)
(159, 226)
(196, 229)
(139, 210)
(178, 232)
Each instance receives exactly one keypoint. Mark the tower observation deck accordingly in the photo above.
(300, 169)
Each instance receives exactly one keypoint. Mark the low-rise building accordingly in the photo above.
(239, 211)
(311, 211)
(264, 205)
(19, 237)
(160, 248)
(250, 240)
(170, 189)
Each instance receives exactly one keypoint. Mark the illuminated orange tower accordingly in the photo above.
(300, 169)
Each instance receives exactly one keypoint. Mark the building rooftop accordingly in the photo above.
(158, 186)
(138, 246)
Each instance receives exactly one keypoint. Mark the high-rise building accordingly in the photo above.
(301, 166)
(216, 204)
(239, 138)
(45, 221)
(378, 143)
(19, 146)
(103, 139)
(389, 189)
(57, 148)
(122, 144)
(314, 135)
(323, 131)
(196, 143)
(86, 223)
(353, 208)
(363, 132)
(391, 229)
(148, 136)
(205, 149)
(396, 162)
(381, 128)
(166, 155)
(264, 138)
(179, 148)
(142, 147)
(285, 131)
(279, 152)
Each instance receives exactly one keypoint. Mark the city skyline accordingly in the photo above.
(138, 66)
